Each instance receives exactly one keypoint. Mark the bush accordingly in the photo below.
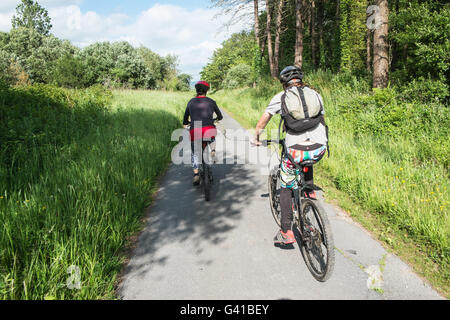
(238, 76)
(267, 87)
(71, 72)
(382, 114)
(425, 91)
(420, 30)
(11, 71)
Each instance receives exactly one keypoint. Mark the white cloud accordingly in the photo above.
(166, 29)
(8, 9)
(5, 21)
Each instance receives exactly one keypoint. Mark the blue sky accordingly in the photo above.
(189, 29)
(134, 7)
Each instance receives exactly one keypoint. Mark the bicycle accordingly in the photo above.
(310, 222)
(205, 169)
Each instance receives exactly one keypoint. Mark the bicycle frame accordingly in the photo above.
(205, 167)
(310, 221)
(300, 180)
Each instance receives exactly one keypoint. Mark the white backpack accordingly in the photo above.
(302, 103)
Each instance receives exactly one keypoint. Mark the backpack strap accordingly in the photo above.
(320, 102)
(284, 111)
(279, 128)
(305, 106)
(323, 122)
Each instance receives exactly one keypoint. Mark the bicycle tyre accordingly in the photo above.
(326, 242)
(274, 195)
(207, 182)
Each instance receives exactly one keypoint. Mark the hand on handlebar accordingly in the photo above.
(256, 142)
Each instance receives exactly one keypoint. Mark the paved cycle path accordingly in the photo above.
(223, 250)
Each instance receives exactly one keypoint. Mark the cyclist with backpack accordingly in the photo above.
(302, 111)
(199, 118)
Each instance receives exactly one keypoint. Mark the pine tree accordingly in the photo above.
(30, 14)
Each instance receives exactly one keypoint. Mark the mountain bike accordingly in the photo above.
(205, 170)
(310, 224)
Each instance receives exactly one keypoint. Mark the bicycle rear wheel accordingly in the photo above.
(274, 195)
(317, 245)
(207, 181)
(207, 172)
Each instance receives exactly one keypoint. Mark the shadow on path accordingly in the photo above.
(181, 216)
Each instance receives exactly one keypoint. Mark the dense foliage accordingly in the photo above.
(31, 15)
(29, 53)
(418, 37)
(240, 49)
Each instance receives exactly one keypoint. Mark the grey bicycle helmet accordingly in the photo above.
(289, 73)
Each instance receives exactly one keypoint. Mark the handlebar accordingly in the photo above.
(281, 142)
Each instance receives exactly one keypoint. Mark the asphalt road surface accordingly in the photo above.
(224, 250)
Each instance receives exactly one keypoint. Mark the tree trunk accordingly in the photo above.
(320, 20)
(276, 57)
(256, 13)
(313, 33)
(298, 61)
(337, 40)
(381, 48)
(395, 48)
(369, 43)
(269, 39)
(369, 50)
(263, 44)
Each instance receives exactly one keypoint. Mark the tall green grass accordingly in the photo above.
(388, 154)
(76, 177)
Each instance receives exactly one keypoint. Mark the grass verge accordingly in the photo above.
(74, 202)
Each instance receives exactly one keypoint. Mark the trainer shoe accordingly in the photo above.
(311, 195)
(285, 238)
(196, 180)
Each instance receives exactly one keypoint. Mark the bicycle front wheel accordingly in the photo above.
(317, 245)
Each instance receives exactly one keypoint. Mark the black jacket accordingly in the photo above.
(202, 109)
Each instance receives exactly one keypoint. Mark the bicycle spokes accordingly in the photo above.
(318, 253)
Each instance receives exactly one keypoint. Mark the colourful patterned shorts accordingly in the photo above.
(288, 170)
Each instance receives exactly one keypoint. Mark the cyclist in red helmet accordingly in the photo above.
(199, 116)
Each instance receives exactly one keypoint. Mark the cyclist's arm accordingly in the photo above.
(186, 117)
(218, 112)
(273, 108)
(261, 126)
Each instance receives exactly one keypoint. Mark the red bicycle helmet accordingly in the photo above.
(202, 86)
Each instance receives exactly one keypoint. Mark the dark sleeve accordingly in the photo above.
(217, 111)
(186, 116)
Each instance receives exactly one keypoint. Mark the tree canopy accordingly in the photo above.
(30, 14)
(334, 35)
